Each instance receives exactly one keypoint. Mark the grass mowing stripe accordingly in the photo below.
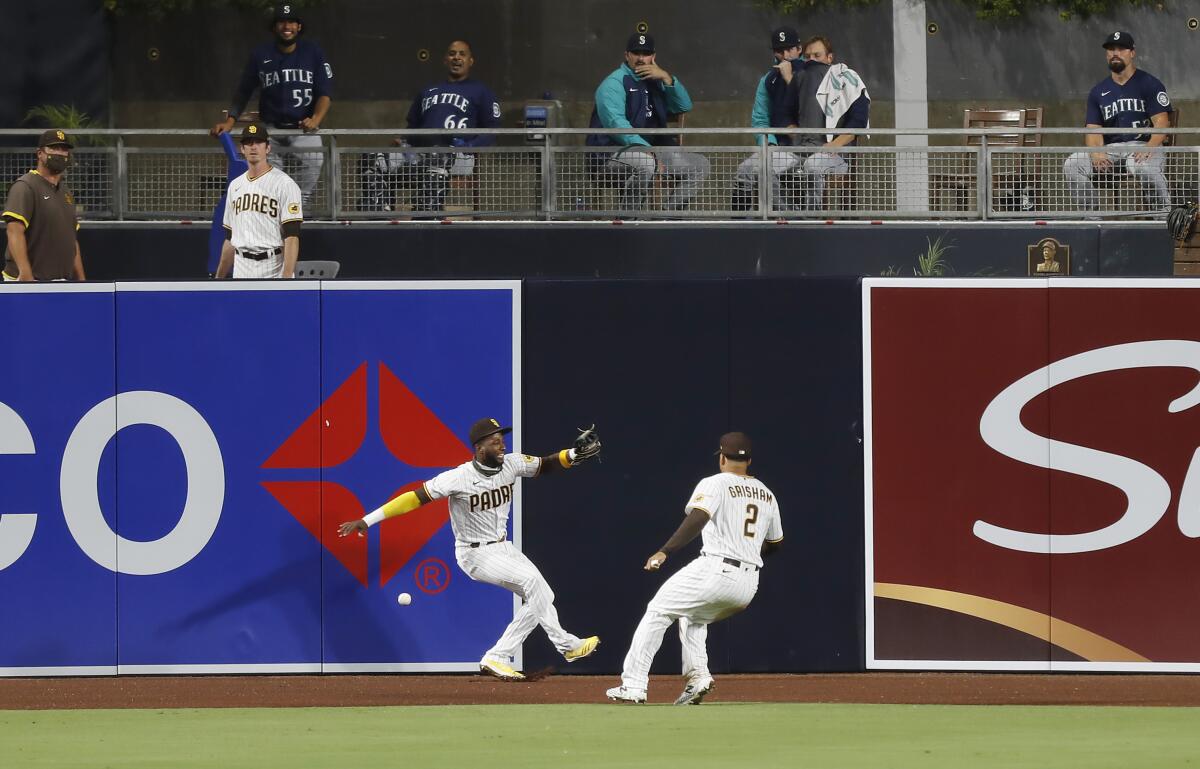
(720, 735)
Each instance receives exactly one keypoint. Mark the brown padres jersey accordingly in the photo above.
(48, 213)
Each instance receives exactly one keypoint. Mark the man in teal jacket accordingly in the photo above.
(641, 94)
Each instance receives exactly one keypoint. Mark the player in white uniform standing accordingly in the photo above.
(262, 216)
(738, 518)
(481, 494)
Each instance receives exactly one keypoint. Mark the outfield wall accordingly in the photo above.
(250, 418)
(177, 456)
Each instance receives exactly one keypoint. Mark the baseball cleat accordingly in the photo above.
(501, 670)
(693, 693)
(584, 649)
(621, 694)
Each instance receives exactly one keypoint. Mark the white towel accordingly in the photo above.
(839, 89)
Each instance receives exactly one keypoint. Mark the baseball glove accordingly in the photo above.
(587, 445)
(1182, 220)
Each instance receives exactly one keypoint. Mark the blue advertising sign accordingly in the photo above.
(59, 604)
(232, 427)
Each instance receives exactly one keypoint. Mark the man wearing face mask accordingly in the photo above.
(770, 111)
(1128, 98)
(40, 217)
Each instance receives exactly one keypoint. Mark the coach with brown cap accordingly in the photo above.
(41, 220)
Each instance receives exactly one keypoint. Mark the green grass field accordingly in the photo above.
(724, 735)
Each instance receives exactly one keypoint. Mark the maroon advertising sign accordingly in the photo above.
(1033, 474)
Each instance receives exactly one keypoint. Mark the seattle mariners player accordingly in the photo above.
(262, 216)
(458, 102)
(738, 518)
(1128, 98)
(295, 87)
(481, 493)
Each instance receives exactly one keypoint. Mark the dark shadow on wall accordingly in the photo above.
(53, 53)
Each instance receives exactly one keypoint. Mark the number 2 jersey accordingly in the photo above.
(480, 504)
(289, 83)
(742, 514)
(464, 104)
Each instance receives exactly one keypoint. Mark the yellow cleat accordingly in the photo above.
(500, 670)
(584, 649)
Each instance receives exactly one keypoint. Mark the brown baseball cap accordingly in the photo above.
(53, 137)
(255, 132)
(485, 427)
(735, 446)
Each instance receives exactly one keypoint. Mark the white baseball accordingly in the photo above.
(404, 599)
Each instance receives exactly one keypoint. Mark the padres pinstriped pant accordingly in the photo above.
(706, 590)
(503, 565)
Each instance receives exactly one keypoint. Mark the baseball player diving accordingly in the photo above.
(481, 493)
(738, 518)
(262, 216)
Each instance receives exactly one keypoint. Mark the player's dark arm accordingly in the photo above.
(77, 269)
(291, 252)
(552, 463)
(769, 547)
(405, 503)
(318, 115)
(687, 531)
(225, 266)
(18, 247)
(245, 87)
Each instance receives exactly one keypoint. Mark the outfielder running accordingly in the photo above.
(738, 517)
(262, 216)
(481, 494)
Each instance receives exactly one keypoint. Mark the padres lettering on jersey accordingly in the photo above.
(742, 514)
(488, 500)
(480, 504)
(255, 212)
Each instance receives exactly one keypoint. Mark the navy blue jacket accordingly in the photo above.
(289, 83)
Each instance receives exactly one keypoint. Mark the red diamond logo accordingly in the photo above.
(333, 434)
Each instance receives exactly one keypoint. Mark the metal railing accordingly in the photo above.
(717, 173)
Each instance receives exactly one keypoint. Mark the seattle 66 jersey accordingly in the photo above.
(463, 104)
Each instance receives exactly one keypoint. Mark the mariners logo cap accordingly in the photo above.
(640, 42)
(55, 137)
(1118, 40)
(783, 38)
(255, 132)
(287, 12)
(485, 427)
(735, 446)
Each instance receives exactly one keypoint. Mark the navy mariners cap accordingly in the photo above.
(288, 12)
(255, 132)
(783, 38)
(735, 446)
(485, 427)
(55, 137)
(640, 42)
(1118, 40)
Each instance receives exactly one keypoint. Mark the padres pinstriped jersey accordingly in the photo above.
(742, 513)
(255, 211)
(480, 504)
